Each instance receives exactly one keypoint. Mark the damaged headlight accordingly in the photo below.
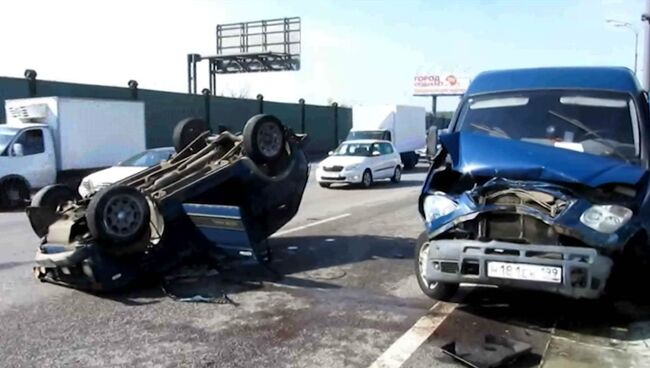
(606, 219)
(438, 205)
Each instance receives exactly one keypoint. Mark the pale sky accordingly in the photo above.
(353, 52)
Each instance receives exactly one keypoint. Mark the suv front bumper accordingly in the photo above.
(584, 271)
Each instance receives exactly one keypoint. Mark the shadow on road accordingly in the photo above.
(384, 184)
(300, 261)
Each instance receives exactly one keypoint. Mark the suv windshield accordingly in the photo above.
(148, 158)
(6, 135)
(353, 149)
(600, 123)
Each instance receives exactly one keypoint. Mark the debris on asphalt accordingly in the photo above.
(221, 299)
(495, 351)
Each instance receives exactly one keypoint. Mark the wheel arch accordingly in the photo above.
(21, 178)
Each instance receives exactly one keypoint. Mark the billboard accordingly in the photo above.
(440, 84)
(258, 46)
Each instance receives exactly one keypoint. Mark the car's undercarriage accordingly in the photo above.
(221, 195)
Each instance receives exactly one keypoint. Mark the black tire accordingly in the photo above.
(14, 193)
(52, 196)
(264, 139)
(118, 215)
(409, 159)
(186, 131)
(324, 185)
(397, 175)
(437, 290)
(366, 179)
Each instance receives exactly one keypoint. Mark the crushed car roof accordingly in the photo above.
(617, 79)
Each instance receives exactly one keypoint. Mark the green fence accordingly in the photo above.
(325, 125)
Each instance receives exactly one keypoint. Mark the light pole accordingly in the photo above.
(628, 25)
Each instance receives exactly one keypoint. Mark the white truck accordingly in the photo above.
(404, 126)
(50, 140)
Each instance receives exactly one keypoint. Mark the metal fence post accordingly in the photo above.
(133, 86)
(206, 101)
(302, 115)
(260, 99)
(30, 75)
(336, 124)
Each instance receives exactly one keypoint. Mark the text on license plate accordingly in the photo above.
(521, 271)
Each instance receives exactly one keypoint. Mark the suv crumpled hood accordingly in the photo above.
(486, 156)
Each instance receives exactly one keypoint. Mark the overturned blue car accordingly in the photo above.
(218, 198)
(542, 184)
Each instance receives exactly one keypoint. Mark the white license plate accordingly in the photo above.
(521, 271)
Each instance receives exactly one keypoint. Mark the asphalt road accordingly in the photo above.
(348, 298)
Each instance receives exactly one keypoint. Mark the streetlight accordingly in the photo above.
(628, 25)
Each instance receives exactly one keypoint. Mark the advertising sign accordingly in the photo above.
(440, 84)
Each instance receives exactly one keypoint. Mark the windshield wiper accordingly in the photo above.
(580, 125)
(492, 131)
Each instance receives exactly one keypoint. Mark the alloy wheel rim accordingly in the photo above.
(269, 139)
(122, 215)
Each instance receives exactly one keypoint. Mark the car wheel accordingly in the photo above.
(324, 185)
(52, 196)
(366, 179)
(264, 139)
(434, 290)
(186, 131)
(14, 193)
(397, 175)
(118, 214)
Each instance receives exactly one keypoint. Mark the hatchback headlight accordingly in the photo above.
(606, 219)
(85, 188)
(438, 205)
(352, 167)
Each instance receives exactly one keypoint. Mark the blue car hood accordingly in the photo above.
(486, 156)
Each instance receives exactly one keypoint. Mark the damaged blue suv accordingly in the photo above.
(542, 184)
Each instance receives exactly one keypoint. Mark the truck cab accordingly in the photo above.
(48, 140)
(27, 161)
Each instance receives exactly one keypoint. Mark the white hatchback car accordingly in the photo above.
(360, 162)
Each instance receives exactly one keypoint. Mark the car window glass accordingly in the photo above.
(383, 149)
(353, 149)
(147, 158)
(596, 122)
(32, 142)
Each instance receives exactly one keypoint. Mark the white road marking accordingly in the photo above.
(288, 231)
(407, 344)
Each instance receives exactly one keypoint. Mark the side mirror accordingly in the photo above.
(17, 149)
(330, 153)
(432, 140)
(376, 153)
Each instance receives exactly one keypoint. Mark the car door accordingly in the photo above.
(395, 158)
(374, 160)
(385, 165)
